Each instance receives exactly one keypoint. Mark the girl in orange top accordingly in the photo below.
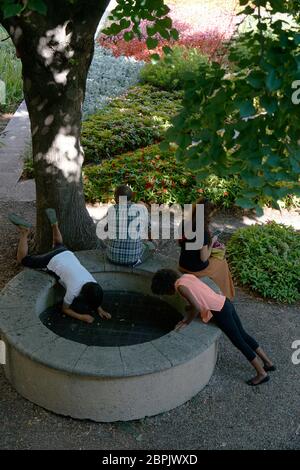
(202, 300)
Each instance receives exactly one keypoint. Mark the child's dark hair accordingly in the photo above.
(163, 282)
(124, 191)
(92, 294)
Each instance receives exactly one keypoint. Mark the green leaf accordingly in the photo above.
(128, 36)
(165, 23)
(274, 160)
(152, 43)
(155, 58)
(245, 203)
(125, 23)
(167, 50)
(174, 34)
(273, 82)
(270, 104)
(297, 39)
(37, 5)
(259, 211)
(151, 30)
(256, 80)
(11, 10)
(164, 34)
(246, 109)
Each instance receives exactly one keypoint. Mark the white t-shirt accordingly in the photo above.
(72, 275)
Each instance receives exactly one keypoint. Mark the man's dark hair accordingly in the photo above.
(125, 191)
(92, 295)
(163, 282)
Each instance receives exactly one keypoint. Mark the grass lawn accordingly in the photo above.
(10, 74)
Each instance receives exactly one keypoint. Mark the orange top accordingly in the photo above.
(204, 295)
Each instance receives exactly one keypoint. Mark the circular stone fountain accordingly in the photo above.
(130, 367)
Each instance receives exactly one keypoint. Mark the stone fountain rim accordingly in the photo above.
(21, 302)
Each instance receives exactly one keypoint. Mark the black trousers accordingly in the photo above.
(229, 322)
(42, 261)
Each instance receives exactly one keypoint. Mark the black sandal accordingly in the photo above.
(270, 368)
(263, 381)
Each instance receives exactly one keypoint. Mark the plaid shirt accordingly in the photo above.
(121, 247)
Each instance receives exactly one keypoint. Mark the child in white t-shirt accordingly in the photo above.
(83, 294)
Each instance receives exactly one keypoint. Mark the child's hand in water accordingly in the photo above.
(103, 314)
(87, 318)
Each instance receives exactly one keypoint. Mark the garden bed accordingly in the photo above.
(204, 25)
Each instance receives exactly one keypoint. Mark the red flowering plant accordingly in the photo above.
(193, 25)
(154, 176)
(209, 43)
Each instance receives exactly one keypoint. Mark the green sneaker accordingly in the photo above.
(51, 214)
(18, 221)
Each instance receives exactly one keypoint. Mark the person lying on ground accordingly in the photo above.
(83, 294)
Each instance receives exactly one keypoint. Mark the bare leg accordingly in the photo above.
(56, 235)
(266, 360)
(261, 373)
(23, 244)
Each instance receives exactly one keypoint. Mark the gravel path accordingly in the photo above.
(9, 237)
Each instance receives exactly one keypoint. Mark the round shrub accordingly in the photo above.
(170, 72)
(266, 258)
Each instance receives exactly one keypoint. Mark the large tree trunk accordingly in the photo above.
(56, 51)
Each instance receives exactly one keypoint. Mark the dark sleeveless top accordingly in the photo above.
(190, 259)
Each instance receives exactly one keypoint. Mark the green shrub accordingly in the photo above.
(222, 191)
(155, 176)
(138, 119)
(28, 169)
(266, 258)
(10, 73)
(170, 72)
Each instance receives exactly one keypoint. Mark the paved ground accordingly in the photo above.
(13, 146)
(9, 237)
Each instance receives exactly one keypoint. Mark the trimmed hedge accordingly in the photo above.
(138, 119)
(266, 258)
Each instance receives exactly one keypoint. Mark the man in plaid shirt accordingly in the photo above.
(127, 230)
